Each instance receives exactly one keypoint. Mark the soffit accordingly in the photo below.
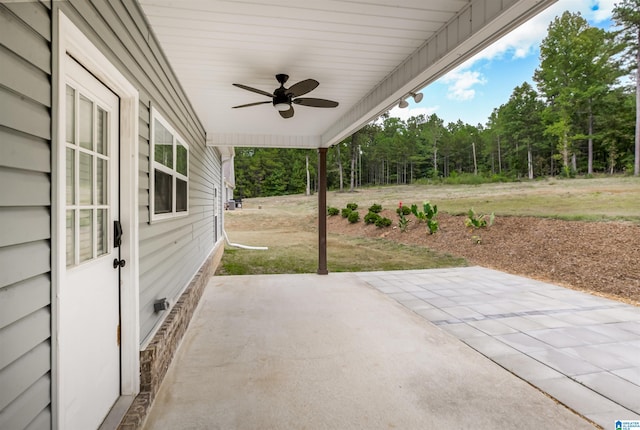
(365, 54)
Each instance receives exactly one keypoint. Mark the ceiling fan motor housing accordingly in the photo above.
(281, 98)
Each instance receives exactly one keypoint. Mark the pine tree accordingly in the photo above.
(627, 14)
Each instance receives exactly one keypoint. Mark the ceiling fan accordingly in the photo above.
(283, 98)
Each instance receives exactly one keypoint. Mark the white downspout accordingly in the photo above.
(227, 161)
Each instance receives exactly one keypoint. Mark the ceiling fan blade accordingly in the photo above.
(307, 101)
(302, 87)
(287, 113)
(251, 104)
(255, 90)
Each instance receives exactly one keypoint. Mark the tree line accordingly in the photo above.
(578, 117)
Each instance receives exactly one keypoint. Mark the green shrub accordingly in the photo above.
(567, 172)
(427, 215)
(403, 221)
(346, 212)
(352, 206)
(465, 179)
(405, 210)
(375, 208)
(371, 218)
(354, 217)
(333, 211)
(383, 222)
(500, 177)
(478, 221)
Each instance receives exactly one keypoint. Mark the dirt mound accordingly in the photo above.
(598, 257)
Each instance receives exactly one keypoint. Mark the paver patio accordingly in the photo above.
(581, 349)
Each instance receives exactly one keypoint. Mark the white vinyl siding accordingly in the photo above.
(25, 222)
(171, 252)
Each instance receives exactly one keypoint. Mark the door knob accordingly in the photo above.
(118, 263)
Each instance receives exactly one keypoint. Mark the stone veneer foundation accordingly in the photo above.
(156, 358)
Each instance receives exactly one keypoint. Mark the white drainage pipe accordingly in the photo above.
(237, 245)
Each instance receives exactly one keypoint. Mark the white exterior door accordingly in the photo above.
(89, 297)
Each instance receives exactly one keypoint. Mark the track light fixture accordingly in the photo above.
(417, 97)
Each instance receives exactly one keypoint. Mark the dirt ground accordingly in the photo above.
(602, 258)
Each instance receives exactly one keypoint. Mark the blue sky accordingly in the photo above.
(474, 89)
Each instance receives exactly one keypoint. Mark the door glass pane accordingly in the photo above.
(101, 132)
(86, 179)
(163, 192)
(71, 119)
(163, 140)
(86, 123)
(71, 238)
(181, 159)
(181, 195)
(101, 181)
(86, 235)
(71, 177)
(102, 238)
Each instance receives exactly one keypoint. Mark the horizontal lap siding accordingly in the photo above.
(171, 251)
(25, 206)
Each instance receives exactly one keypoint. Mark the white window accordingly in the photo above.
(169, 173)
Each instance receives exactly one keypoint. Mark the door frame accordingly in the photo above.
(72, 41)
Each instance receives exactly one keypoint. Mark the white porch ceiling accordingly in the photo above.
(366, 54)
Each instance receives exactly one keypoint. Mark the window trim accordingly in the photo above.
(173, 171)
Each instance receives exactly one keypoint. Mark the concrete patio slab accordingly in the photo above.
(331, 352)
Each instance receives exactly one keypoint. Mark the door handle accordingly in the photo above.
(117, 234)
(118, 263)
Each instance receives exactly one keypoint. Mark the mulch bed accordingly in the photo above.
(601, 258)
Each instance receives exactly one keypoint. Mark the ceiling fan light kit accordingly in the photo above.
(282, 106)
(282, 98)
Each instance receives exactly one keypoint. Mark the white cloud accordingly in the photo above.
(525, 40)
(406, 113)
(460, 84)
(602, 10)
(520, 43)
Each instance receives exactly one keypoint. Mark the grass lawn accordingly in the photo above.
(288, 226)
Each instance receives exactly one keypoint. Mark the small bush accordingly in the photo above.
(405, 210)
(354, 217)
(427, 215)
(346, 212)
(403, 221)
(478, 221)
(371, 218)
(383, 222)
(333, 211)
(375, 208)
(352, 206)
